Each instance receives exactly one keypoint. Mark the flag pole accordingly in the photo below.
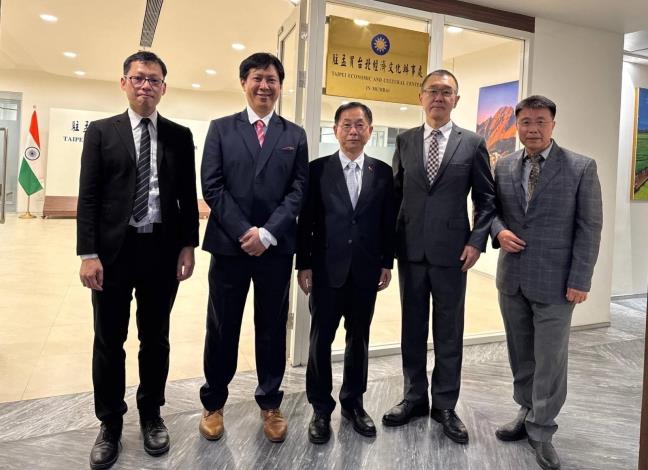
(27, 215)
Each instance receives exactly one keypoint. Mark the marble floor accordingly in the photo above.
(599, 424)
(46, 316)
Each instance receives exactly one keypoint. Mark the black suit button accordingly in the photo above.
(354, 221)
(349, 241)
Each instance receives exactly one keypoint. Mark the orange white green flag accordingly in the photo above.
(31, 167)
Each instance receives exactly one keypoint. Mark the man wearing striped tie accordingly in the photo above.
(137, 226)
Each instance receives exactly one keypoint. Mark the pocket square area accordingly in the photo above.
(289, 148)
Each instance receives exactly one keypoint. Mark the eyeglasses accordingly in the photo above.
(359, 126)
(445, 92)
(138, 81)
(540, 124)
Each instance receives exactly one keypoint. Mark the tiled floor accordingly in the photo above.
(599, 424)
(46, 316)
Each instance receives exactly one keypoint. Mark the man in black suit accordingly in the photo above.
(435, 167)
(137, 226)
(344, 257)
(254, 175)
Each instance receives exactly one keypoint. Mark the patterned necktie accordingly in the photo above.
(140, 206)
(260, 131)
(352, 182)
(432, 162)
(534, 174)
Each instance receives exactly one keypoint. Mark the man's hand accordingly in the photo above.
(186, 263)
(251, 242)
(576, 296)
(385, 277)
(305, 280)
(92, 274)
(510, 242)
(469, 256)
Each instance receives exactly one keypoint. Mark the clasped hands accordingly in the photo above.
(251, 242)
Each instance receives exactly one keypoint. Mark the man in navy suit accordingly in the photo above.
(344, 257)
(254, 175)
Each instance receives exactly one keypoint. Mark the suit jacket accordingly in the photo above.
(246, 185)
(432, 221)
(335, 240)
(107, 186)
(561, 227)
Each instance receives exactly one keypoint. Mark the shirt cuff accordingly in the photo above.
(267, 238)
(90, 256)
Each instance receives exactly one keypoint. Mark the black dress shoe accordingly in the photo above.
(546, 455)
(106, 448)
(156, 436)
(403, 412)
(452, 425)
(319, 428)
(515, 430)
(362, 422)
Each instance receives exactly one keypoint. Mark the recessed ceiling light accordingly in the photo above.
(69, 54)
(195, 85)
(48, 18)
(210, 72)
(295, 2)
(403, 108)
(454, 29)
(345, 102)
(80, 73)
(361, 22)
(238, 46)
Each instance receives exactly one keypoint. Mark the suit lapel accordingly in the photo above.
(161, 128)
(368, 181)
(274, 130)
(125, 131)
(418, 154)
(551, 167)
(246, 130)
(334, 178)
(516, 175)
(451, 147)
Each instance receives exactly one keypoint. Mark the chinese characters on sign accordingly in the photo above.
(375, 62)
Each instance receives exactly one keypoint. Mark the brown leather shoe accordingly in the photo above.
(275, 425)
(211, 425)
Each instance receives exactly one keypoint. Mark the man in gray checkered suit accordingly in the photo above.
(548, 225)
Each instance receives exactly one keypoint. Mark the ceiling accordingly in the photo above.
(191, 40)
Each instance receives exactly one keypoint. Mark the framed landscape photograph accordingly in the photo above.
(639, 187)
(496, 118)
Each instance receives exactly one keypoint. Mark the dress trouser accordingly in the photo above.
(328, 305)
(145, 265)
(447, 287)
(229, 282)
(537, 336)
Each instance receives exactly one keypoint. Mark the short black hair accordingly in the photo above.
(536, 102)
(441, 73)
(261, 60)
(351, 105)
(144, 56)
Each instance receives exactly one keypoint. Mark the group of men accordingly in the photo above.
(346, 216)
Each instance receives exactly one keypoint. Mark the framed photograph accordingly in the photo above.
(496, 118)
(639, 186)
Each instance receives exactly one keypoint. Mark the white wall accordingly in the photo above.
(630, 273)
(47, 91)
(580, 69)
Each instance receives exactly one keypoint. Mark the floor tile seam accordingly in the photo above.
(606, 343)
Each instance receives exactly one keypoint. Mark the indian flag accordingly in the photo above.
(31, 168)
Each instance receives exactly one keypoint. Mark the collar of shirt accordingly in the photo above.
(344, 160)
(445, 130)
(136, 118)
(254, 117)
(545, 153)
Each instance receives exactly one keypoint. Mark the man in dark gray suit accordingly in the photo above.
(435, 167)
(548, 224)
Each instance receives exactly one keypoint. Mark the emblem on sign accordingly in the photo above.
(32, 153)
(380, 44)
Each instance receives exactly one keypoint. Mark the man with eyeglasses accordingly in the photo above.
(137, 226)
(435, 166)
(345, 253)
(548, 226)
(254, 174)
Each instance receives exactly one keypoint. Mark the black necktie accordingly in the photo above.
(140, 206)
